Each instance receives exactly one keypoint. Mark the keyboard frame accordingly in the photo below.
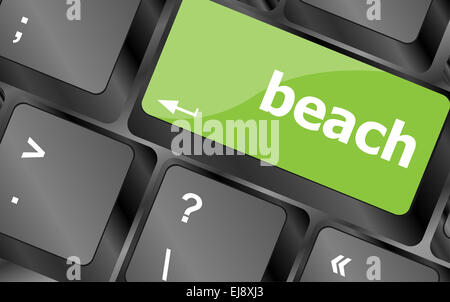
(325, 207)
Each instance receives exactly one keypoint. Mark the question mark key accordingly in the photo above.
(214, 232)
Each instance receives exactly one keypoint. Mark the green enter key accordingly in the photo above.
(295, 104)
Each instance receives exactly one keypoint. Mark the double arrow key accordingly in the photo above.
(338, 264)
(368, 263)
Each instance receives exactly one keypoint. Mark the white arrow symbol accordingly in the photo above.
(39, 153)
(338, 266)
(172, 106)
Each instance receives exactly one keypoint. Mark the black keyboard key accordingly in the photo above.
(338, 257)
(75, 44)
(59, 183)
(399, 19)
(231, 237)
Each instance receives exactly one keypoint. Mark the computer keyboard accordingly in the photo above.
(197, 140)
